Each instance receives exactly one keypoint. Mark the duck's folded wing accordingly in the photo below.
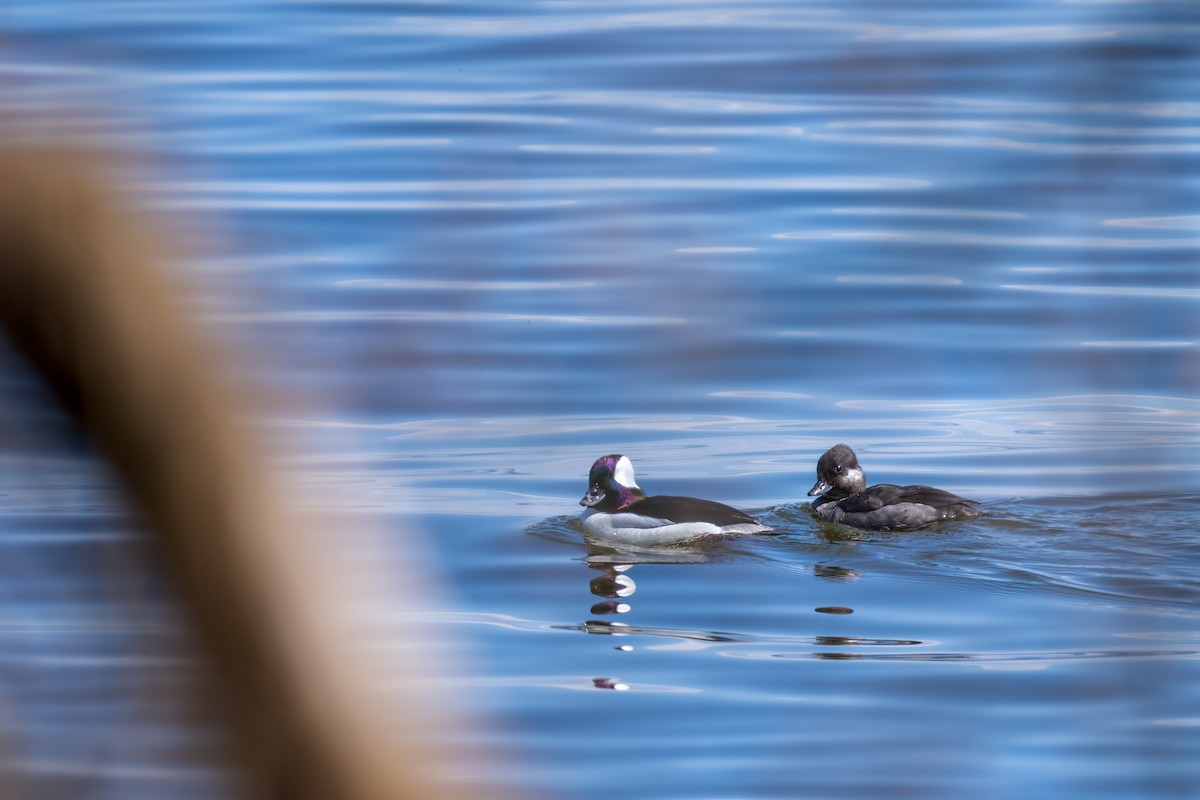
(927, 495)
(690, 509)
(886, 494)
(871, 499)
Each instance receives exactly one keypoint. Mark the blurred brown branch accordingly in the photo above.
(84, 295)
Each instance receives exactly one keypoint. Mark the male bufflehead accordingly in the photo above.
(845, 498)
(619, 511)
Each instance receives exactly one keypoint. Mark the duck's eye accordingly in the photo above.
(838, 469)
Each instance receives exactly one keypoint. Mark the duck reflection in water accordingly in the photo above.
(613, 584)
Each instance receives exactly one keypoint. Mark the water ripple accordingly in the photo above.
(988, 240)
(716, 250)
(438, 316)
(469, 116)
(1138, 344)
(934, 213)
(723, 131)
(1023, 33)
(900, 280)
(1029, 660)
(571, 185)
(762, 394)
(1165, 292)
(618, 149)
(510, 622)
(896, 140)
(1037, 127)
(319, 146)
(291, 204)
(1184, 223)
(464, 285)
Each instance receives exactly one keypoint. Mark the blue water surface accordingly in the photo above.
(478, 245)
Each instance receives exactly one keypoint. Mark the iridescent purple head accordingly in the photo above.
(611, 485)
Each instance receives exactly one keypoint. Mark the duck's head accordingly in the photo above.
(611, 485)
(838, 474)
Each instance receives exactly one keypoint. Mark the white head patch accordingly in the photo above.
(854, 478)
(623, 473)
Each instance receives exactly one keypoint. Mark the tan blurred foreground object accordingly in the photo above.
(83, 295)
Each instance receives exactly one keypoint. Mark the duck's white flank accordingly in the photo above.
(636, 529)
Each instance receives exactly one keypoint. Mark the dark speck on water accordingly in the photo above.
(834, 610)
(961, 238)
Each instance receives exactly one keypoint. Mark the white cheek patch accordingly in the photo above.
(855, 475)
(623, 473)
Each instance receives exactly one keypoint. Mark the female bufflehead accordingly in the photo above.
(846, 499)
(619, 511)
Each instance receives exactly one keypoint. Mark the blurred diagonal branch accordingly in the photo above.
(84, 296)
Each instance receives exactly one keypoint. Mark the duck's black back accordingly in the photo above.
(689, 509)
(887, 507)
(886, 494)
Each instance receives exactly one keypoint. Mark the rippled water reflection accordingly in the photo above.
(489, 243)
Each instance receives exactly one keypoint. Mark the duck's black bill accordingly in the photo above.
(821, 488)
(594, 495)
